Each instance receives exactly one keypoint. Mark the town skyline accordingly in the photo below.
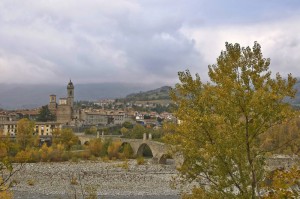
(49, 42)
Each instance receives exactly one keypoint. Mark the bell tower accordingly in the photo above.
(70, 89)
(52, 104)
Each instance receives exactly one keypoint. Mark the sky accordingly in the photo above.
(139, 41)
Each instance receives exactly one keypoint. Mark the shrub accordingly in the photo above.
(35, 156)
(46, 153)
(126, 151)
(22, 157)
(67, 155)
(74, 159)
(6, 195)
(85, 155)
(125, 165)
(92, 158)
(140, 160)
(91, 193)
(73, 181)
(113, 149)
(96, 147)
(30, 182)
(105, 159)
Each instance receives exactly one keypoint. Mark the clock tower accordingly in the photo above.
(70, 98)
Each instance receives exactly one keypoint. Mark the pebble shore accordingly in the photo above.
(116, 178)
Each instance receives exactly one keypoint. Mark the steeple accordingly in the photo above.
(70, 89)
(70, 85)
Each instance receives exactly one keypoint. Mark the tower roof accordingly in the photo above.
(70, 85)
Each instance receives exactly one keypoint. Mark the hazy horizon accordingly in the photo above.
(18, 96)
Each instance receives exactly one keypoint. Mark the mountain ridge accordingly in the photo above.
(32, 96)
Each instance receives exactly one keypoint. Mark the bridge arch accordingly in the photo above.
(145, 150)
(157, 150)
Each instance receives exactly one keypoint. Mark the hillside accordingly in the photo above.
(161, 93)
(296, 101)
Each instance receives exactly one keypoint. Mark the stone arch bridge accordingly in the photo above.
(160, 151)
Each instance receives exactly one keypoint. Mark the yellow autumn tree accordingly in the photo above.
(65, 137)
(222, 121)
(113, 149)
(282, 183)
(25, 133)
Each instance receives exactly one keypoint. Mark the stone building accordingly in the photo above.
(40, 128)
(103, 118)
(68, 115)
(64, 110)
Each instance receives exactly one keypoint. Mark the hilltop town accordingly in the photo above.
(149, 109)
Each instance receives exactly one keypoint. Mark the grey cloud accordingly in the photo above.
(106, 40)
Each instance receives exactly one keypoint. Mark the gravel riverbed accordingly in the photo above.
(117, 179)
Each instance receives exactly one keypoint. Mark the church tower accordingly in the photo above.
(52, 104)
(70, 98)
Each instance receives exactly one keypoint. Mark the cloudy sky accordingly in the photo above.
(43, 41)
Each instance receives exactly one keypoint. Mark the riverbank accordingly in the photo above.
(115, 179)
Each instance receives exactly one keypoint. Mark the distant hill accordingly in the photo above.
(161, 93)
(296, 101)
(31, 96)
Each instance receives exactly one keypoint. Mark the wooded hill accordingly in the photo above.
(296, 101)
(161, 93)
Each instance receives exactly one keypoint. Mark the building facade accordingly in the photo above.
(103, 118)
(40, 128)
(64, 110)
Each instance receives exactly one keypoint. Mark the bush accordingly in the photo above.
(105, 159)
(6, 194)
(67, 155)
(96, 147)
(22, 157)
(30, 182)
(140, 160)
(113, 149)
(75, 159)
(73, 181)
(126, 151)
(85, 155)
(45, 152)
(91, 131)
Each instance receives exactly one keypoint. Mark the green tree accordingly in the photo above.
(124, 131)
(137, 132)
(45, 115)
(222, 122)
(127, 125)
(91, 131)
(96, 147)
(25, 130)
